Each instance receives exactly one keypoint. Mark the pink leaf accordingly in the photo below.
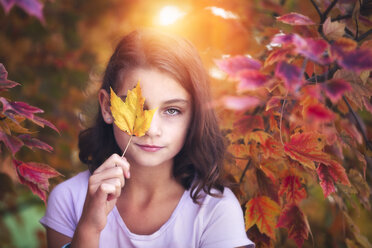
(32, 7)
(251, 79)
(41, 122)
(335, 88)
(240, 103)
(19, 108)
(13, 143)
(319, 112)
(295, 19)
(31, 142)
(35, 176)
(238, 63)
(4, 82)
(290, 74)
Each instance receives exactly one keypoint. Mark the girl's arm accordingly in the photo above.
(56, 239)
(104, 188)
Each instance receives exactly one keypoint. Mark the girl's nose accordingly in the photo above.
(155, 127)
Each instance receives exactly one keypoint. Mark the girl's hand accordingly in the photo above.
(104, 188)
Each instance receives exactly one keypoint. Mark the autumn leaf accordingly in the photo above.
(129, 116)
(35, 176)
(32, 7)
(13, 143)
(232, 66)
(262, 211)
(294, 220)
(251, 79)
(329, 175)
(306, 148)
(4, 82)
(240, 103)
(295, 19)
(318, 112)
(293, 190)
(335, 89)
(333, 30)
(290, 74)
(32, 142)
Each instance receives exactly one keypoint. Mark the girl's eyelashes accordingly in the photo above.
(172, 111)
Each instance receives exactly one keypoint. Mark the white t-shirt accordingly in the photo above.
(217, 222)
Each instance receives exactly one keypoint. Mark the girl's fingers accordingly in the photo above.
(110, 173)
(110, 189)
(115, 161)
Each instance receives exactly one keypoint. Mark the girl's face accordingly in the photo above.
(170, 123)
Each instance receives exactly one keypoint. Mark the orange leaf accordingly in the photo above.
(262, 211)
(306, 148)
(129, 115)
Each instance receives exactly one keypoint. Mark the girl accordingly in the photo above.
(167, 191)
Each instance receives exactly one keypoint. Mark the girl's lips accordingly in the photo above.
(149, 148)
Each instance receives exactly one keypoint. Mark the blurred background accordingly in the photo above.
(59, 58)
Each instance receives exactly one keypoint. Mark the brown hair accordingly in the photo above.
(199, 163)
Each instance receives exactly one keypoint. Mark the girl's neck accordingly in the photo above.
(150, 182)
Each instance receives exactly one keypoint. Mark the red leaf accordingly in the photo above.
(290, 74)
(13, 143)
(238, 63)
(293, 189)
(262, 211)
(335, 88)
(296, 223)
(326, 180)
(240, 103)
(274, 102)
(31, 142)
(19, 108)
(330, 174)
(306, 148)
(295, 19)
(319, 112)
(266, 185)
(4, 82)
(41, 122)
(35, 176)
(251, 79)
(248, 123)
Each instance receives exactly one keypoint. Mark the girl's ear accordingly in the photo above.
(104, 102)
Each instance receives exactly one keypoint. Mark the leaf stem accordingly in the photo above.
(126, 148)
(245, 170)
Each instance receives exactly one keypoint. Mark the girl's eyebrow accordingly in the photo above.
(176, 100)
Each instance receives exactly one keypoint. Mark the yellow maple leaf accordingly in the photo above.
(129, 116)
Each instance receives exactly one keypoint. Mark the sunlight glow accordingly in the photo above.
(222, 13)
(169, 15)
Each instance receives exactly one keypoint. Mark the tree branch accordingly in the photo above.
(245, 170)
(359, 126)
(330, 7)
(365, 35)
(341, 17)
(317, 9)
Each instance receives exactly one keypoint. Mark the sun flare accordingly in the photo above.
(169, 15)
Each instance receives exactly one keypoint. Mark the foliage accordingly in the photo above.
(295, 113)
(312, 81)
(14, 135)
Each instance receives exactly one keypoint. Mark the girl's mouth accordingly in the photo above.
(149, 148)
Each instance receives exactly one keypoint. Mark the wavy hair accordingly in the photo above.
(198, 165)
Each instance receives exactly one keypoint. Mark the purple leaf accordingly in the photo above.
(335, 88)
(238, 63)
(4, 82)
(7, 5)
(295, 19)
(32, 7)
(31, 142)
(13, 143)
(251, 79)
(313, 49)
(356, 60)
(41, 122)
(290, 74)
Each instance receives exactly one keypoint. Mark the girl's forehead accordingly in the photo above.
(152, 82)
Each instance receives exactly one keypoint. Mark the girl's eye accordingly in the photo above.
(172, 111)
